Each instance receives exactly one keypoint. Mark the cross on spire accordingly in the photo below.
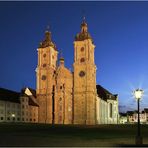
(61, 54)
(48, 27)
(84, 19)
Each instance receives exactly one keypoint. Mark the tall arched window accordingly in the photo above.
(111, 110)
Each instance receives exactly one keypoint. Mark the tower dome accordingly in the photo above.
(84, 34)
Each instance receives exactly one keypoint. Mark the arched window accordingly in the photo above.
(111, 110)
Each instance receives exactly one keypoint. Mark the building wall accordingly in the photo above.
(105, 114)
(18, 112)
(29, 113)
(122, 120)
(84, 83)
(113, 113)
(45, 72)
(66, 98)
(9, 111)
(133, 118)
(63, 99)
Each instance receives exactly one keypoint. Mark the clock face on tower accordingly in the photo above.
(81, 73)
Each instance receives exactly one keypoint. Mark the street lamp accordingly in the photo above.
(138, 93)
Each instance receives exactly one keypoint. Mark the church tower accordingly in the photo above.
(45, 73)
(84, 78)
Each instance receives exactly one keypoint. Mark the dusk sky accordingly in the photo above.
(119, 31)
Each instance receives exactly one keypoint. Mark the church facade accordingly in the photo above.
(66, 97)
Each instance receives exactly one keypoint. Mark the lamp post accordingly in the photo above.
(138, 93)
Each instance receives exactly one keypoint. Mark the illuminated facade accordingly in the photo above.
(67, 97)
(18, 107)
(132, 116)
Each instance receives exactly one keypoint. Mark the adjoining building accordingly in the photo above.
(18, 106)
(107, 106)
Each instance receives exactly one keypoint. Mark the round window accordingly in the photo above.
(44, 55)
(81, 73)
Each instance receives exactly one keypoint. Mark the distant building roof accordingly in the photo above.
(146, 110)
(31, 93)
(130, 113)
(105, 94)
(123, 114)
(12, 96)
(9, 95)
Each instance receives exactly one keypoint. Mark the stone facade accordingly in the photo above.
(67, 97)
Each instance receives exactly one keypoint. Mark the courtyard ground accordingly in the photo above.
(21, 134)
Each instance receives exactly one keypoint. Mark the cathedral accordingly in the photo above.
(72, 97)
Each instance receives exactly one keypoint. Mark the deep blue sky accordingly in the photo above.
(119, 31)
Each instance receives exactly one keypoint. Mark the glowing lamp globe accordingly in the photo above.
(13, 115)
(138, 93)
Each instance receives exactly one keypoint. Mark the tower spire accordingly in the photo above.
(84, 19)
(48, 27)
(84, 26)
(47, 41)
(84, 34)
